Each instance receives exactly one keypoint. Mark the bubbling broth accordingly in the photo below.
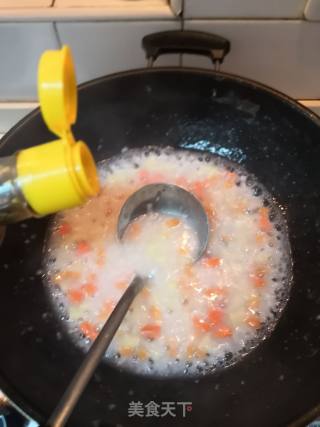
(191, 317)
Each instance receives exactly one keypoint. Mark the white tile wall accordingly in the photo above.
(104, 48)
(111, 3)
(243, 8)
(312, 10)
(12, 112)
(90, 10)
(25, 3)
(20, 48)
(313, 105)
(282, 54)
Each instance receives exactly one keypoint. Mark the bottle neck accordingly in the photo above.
(13, 205)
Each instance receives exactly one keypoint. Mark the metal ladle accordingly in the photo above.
(163, 198)
(169, 200)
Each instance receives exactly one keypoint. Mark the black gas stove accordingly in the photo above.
(11, 416)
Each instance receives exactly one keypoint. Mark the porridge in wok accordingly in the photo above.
(190, 316)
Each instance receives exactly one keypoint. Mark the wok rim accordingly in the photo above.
(308, 113)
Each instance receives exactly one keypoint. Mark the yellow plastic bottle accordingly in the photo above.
(56, 175)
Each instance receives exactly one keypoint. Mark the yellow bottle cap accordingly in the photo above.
(62, 173)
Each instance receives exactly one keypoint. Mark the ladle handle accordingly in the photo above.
(62, 412)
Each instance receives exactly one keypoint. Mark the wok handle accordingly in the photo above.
(193, 42)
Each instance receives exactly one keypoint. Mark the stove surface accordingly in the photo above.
(11, 416)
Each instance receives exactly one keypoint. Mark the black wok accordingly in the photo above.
(274, 138)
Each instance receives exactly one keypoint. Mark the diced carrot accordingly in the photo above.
(172, 347)
(126, 351)
(134, 230)
(259, 282)
(101, 261)
(142, 353)
(82, 247)
(172, 222)
(76, 296)
(223, 332)
(194, 352)
(89, 289)
(151, 331)
(106, 310)
(213, 180)
(172, 351)
(239, 207)
(184, 251)
(258, 277)
(181, 181)
(214, 316)
(201, 324)
(67, 275)
(122, 285)
(261, 238)
(147, 177)
(189, 271)
(264, 221)
(64, 229)
(188, 281)
(89, 329)
(210, 211)
(92, 277)
(199, 189)
(190, 351)
(211, 262)
(253, 320)
(155, 313)
(230, 179)
(157, 177)
(253, 303)
(262, 270)
(143, 175)
(101, 257)
(145, 293)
